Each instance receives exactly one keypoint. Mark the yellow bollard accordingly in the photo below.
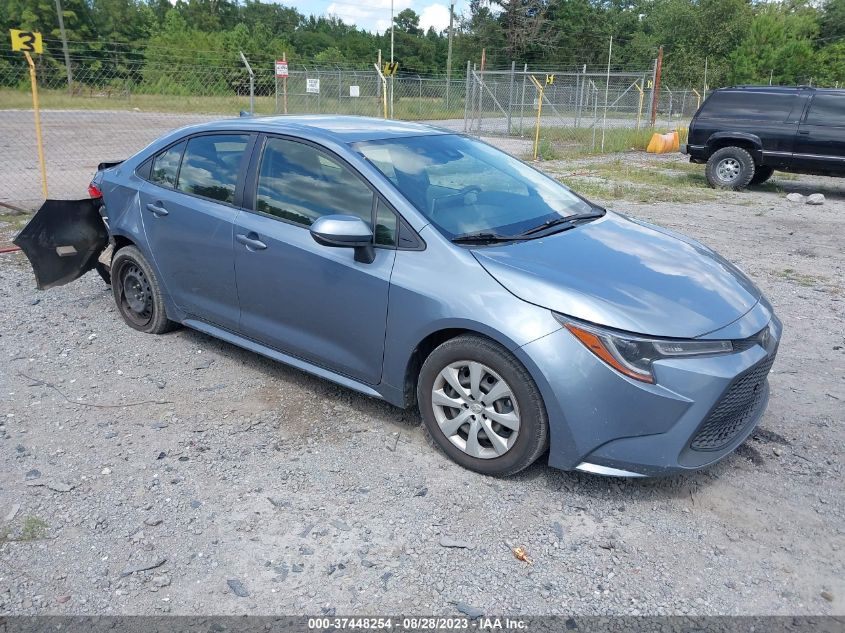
(640, 109)
(540, 89)
(38, 138)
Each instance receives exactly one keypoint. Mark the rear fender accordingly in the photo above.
(742, 139)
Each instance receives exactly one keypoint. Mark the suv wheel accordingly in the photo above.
(730, 168)
(761, 174)
(481, 407)
(137, 293)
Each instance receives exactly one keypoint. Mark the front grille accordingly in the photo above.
(734, 410)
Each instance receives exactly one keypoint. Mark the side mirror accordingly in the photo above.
(345, 231)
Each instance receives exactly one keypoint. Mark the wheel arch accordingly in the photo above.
(121, 240)
(749, 142)
(437, 336)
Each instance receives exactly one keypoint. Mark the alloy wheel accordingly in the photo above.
(475, 409)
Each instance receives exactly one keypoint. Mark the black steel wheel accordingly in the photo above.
(137, 293)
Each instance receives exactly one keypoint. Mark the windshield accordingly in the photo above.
(465, 186)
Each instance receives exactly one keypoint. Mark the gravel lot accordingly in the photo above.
(179, 474)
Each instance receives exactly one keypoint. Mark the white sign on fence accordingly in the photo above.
(312, 86)
(354, 91)
(281, 68)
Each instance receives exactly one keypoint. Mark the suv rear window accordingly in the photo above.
(741, 104)
(827, 110)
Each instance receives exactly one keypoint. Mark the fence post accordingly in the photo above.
(251, 83)
(510, 95)
(522, 99)
(420, 106)
(466, 97)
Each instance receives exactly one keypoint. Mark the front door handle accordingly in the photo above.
(157, 209)
(251, 241)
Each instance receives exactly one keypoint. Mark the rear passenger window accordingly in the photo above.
(746, 104)
(827, 110)
(210, 166)
(166, 166)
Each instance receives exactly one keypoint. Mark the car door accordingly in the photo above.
(311, 301)
(820, 143)
(188, 210)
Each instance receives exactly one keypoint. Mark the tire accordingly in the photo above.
(510, 449)
(137, 293)
(730, 168)
(761, 174)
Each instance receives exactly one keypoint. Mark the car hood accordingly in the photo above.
(625, 274)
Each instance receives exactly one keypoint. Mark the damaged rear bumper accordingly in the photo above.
(63, 240)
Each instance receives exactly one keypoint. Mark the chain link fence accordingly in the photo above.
(582, 111)
(111, 110)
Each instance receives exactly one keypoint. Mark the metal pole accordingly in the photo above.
(37, 112)
(510, 95)
(391, 58)
(522, 98)
(704, 92)
(606, 90)
(285, 84)
(481, 88)
(655, 92)
(449, 53)
(64, 45)
(466, 97)
(251, 83)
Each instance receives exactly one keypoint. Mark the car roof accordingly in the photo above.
(770, 89)
(341, 129)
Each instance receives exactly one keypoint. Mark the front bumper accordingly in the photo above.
(697, 411)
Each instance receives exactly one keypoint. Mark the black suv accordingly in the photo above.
(745, 133)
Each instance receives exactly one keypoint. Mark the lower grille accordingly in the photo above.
(734, 410)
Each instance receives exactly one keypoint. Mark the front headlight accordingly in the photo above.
(634, 355)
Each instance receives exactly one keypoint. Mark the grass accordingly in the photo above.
(33, 529)
(616, 139)
(619, 180)
(801, 279)
(409, 108)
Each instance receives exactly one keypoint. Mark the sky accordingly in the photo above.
(374, 15)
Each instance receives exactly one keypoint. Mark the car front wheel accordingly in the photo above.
(137, 293)
(481, 407)
(730, 168)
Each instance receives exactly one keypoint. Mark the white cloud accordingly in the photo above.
(374, 16)
(435, 15)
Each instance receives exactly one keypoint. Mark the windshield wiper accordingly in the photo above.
(483, 236)
(559, 221)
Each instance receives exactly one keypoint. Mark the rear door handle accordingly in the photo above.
(157, 210)
(251, 241)
(803, 131)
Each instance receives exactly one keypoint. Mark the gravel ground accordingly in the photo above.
(179, 474)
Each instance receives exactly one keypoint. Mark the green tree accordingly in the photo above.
(778, 47)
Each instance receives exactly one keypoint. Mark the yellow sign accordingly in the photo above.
(390, 68)
(550, 79)
(26, 41)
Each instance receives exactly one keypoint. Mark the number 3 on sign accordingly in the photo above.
(26, 41)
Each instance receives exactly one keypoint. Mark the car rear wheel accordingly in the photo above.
(761, 174)
(481, 407)
(730, 168)
(137, 293)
